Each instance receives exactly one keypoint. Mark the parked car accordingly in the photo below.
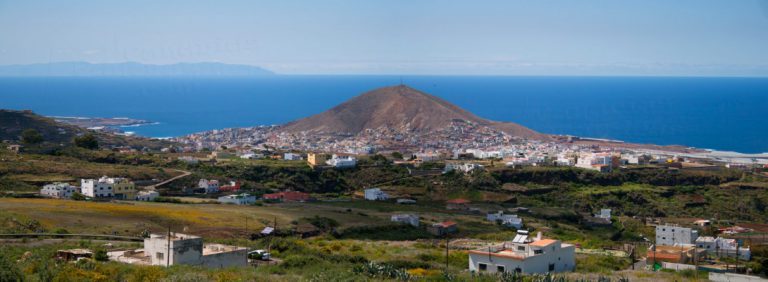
(259, 255)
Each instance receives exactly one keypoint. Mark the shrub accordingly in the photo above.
(87, 141)
(100, 255)
(31, 136)
(9, 271)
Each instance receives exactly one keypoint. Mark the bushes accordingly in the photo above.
(9, 271)
(168, 200)
(323, 223)
(297, 261)
(408, 264)
(381, 271)
(385, 232)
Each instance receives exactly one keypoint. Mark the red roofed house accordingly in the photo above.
(232, 187)
(287, 196)
(443, 228)
(457, 204)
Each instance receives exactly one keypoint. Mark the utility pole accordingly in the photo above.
(168, 248)
(446, 253)
(271, 235)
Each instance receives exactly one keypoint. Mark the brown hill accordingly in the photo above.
(397, 106)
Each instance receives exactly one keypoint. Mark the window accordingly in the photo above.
(159, 255)
(551, 267)
(500, 268)
(521, 248)
(663, 238)
(538, 252)
(482, 266)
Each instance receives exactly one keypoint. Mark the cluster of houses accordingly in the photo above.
(683, 245)
(212, 186)
(102, 188)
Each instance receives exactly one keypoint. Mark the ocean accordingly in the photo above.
(715, 113)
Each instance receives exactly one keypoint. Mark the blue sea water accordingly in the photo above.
(714, 113)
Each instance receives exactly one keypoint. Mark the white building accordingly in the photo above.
(58, 190)
(524, 255)
(463, 167)
(107, 187)
(411, 219)
(189, 160)
(342, 161)
(210, 186)
(722, 247)
(292, 157)
(147, 196)
(595, 161)
(509, 220)
(604, 213)
(241, 199)
(375, 194)
(183, 249)
(251, 156)
(671, 235)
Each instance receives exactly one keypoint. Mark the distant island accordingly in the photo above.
(132, 69)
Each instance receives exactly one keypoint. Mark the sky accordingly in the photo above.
(479, 37)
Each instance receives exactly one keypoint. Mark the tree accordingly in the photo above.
(397, 155)
(31, 136)
(87, 141)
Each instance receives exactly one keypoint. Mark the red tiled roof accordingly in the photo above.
(447, 223)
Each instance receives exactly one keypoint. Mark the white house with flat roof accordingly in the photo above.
(108, 187)
(524, 255)
(410, 219)
(604, 214)
(723, 247)
(165, 250)
(673, 235)
(239, 199)
(147, 196)
(509, 220)
(341, 161)
(58, 190)
(292, 157)
(210, 186)
(375, 194)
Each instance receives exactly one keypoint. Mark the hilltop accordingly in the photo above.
(400, 107)
(13, 123)
(132, 69)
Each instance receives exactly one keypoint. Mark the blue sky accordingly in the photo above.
(505, 37)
